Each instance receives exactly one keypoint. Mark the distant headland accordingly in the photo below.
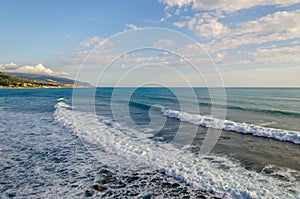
(25, 80)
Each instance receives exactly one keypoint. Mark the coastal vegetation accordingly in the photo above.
(10, 81)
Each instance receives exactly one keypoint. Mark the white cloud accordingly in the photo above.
(207, 24)
(245, 33)
(167, 15)
(99, 46)
(210, 28)
(284, 24)
(131, 27)
(8, 66)
(204, 25)
(277, 55)
(179, 24)
(260, 55)
(91, 42)
(220, 57)
(133, 59)
(227, 6)
(37, 69)
(278, 26)
(285, 54)
(104, 54)
(163, 43)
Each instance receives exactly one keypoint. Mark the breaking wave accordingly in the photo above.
(213, 174)
(227, 125)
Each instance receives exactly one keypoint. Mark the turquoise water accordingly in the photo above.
(58, 143)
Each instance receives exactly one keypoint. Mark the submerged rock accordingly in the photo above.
(99, 187)
(89, 193)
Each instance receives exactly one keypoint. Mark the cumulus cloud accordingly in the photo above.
(226, 6)
(9, 66)
(284, 54)
(285, 23)
(210, 28)
(37, 69)
(179, 24)
(279, 26)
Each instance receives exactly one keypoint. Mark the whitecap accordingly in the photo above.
(260, 131)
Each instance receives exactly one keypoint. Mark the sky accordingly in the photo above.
(241, 43)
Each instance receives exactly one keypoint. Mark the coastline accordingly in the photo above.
(37, 87)
(41, 81)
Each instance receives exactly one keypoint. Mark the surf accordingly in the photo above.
(119, 144)
(226, 125)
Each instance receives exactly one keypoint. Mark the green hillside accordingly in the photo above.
(9, 81)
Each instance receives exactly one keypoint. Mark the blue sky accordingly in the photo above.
(252, 43)
(36, 29)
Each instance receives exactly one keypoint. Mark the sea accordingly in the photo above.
(150, 143)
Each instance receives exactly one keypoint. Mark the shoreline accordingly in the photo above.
(7, 87)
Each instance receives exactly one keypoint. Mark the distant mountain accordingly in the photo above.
(49, 78)
(22, 80)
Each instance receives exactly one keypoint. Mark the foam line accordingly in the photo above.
(278, 134)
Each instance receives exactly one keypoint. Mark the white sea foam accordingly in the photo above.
(39, 159)
(267, 123)
(61, 99)
(213, 174)
(278, 134)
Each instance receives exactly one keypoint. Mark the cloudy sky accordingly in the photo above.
(190, 42)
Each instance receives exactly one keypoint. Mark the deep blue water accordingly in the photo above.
(56, 143)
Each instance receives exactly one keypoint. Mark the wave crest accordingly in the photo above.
(278, 134)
